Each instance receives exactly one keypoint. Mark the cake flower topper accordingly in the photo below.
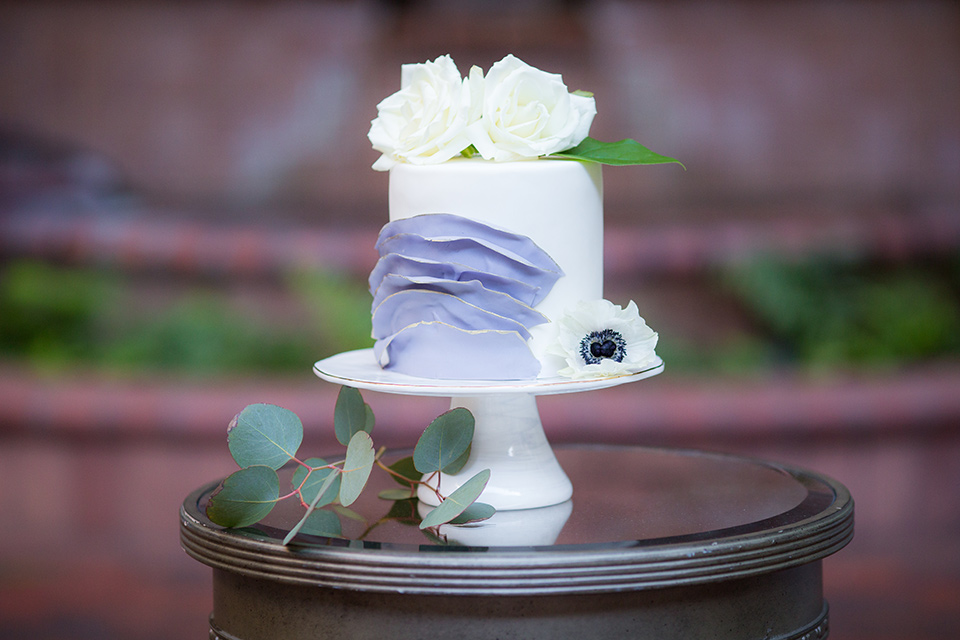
(600, 339)
(515, 112)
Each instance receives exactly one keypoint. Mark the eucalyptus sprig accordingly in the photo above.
(263, 438)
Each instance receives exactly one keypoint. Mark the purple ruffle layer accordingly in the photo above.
(453, 298)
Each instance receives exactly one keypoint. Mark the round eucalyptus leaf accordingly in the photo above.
(458, 464)
(245, 497)
(404, 511)
(405, 468)
(320, 493)
(322, 522)
(458, 501)
(264, 434)
(348, 513)
(356, 467)
(474, 513)
(350, 415)
(371, 419)
(300, 473)
(396, 494)
(444, 441)
(317, 480)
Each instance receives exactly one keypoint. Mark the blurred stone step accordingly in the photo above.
(673, 411)
(181, 245)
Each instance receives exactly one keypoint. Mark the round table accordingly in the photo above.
(655, 543)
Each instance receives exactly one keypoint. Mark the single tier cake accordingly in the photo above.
(493, 253)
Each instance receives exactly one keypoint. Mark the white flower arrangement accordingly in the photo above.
(600, 339)
(426, 121)
(515, 112)
(526, 113)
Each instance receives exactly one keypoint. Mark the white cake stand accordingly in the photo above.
(508, 437)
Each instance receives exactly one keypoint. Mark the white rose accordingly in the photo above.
(527, 113)
(425, 122)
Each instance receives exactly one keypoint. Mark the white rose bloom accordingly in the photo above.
(528, 113)
(425, 122)
(599, 339)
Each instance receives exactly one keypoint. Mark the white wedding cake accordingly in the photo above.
(491, 264)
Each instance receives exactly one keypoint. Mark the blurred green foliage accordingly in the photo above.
(826, 313)
(743, 355)
(53, 316)
(56, 318)
(340, 307)
(819, 314)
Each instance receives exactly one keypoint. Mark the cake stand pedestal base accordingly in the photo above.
(508, 437)
(509, 440)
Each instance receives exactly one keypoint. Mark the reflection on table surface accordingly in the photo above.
(638, 495)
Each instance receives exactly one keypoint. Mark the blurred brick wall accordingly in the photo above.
(267, 104)
(196, 102)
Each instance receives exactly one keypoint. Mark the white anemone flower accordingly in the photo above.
(600, 339)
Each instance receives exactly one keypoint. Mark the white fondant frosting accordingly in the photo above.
(555, 205)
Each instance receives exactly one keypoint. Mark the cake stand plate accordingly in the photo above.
(508, 437)
(360, 369)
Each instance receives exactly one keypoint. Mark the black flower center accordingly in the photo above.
(606, 349)
(598, 345)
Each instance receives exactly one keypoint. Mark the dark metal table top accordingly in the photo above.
(639, 518)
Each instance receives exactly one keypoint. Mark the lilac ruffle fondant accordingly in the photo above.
(397, 264)
(453, 298)
(447, 225)
(413, 306)
(474, 254)
(471, 291)
(439, 350)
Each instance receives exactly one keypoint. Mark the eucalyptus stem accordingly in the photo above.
(395, 474)
(313, 505)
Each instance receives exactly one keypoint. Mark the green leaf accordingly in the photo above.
(396, 494)
(300, 473)
(444, 441)
(475, 512)
(458, 464)
(404, 511)
(348, 513)
(322, 522)
(315, 478)
(264, 434)
(351, 415)
(434, 538)
(405, 468)
(356, 467)
(371, 419)
(458, 501)
(622, 153)
(244, 497)
(321, 492)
